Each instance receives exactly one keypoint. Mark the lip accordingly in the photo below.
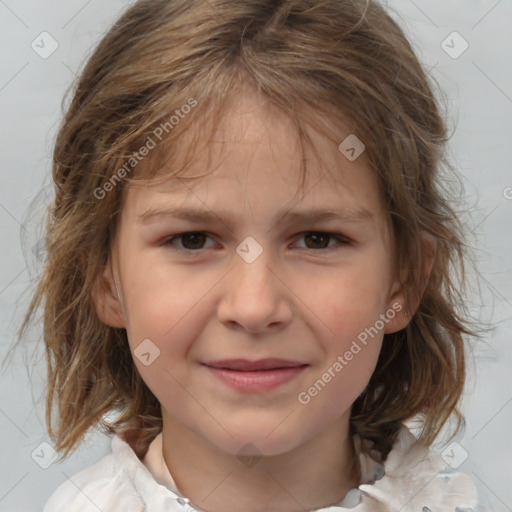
(258, 380)
(245, 365)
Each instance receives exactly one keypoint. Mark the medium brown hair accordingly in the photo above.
(313, 59)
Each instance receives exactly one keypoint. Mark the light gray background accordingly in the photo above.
(478, 85)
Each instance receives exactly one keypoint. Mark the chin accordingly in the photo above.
(256, 443)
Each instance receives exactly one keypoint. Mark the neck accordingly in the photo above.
(316, 474)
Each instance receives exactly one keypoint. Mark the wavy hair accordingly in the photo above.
(316, 60)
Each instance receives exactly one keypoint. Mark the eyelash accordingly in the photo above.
(168, 242)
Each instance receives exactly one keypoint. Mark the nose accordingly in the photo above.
(255, 296)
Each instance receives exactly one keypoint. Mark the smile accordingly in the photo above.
(256, 380)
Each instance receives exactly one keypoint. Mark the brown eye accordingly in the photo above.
(319, 240)
(194, 241)
(191, 241)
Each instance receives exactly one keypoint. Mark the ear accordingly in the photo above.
(105, 299)
(404, 304)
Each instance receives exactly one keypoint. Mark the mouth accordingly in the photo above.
(255, 376)
(244, 365)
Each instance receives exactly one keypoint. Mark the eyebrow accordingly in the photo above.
(151, 215)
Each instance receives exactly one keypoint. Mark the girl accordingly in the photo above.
(249, 343)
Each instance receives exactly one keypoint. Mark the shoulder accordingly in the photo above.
(102, 486)
(424, 481)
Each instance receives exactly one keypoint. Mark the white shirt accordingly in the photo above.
(412, 479)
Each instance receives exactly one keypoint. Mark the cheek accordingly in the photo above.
(163, 380)
(347, 300)
(334, 389)
(160, 299)
(167, 313)
(347, 309)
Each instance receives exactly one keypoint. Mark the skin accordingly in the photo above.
(296, 301)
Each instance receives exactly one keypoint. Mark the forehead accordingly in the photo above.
(256, 146)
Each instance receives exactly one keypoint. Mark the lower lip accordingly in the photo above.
(257, 380)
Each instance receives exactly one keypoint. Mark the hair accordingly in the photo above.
(314, 60)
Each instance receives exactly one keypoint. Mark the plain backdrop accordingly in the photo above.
(477, 81)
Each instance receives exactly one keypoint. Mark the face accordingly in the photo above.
(254, 282)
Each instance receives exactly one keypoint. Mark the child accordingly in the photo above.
(254, 371)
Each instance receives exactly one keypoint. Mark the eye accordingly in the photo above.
(319, 238)
(192, 241)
